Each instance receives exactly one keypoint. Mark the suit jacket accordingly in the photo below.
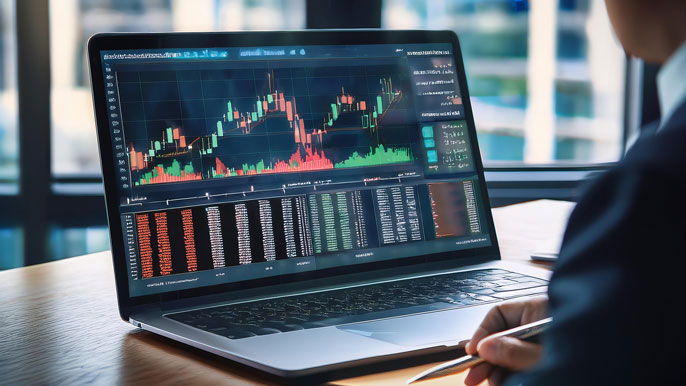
(617, 291)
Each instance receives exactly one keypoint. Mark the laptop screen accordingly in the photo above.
(241, 163)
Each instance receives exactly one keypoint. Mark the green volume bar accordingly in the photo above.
(173, 170)
(377, 156)
(257, 168)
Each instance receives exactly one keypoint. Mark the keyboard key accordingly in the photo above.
(525, 279)
(512, 276)
(264, 330)
(295, 320)
(471, 288)
(275, 325)
(484, 291)
(503, 282)
(516, 286)
(315, 324)
(518, 293)
(446, 299)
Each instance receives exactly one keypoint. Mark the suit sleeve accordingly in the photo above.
(612, 302)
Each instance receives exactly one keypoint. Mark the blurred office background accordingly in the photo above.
(550, 87)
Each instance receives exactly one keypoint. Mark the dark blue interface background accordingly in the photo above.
(241, 163)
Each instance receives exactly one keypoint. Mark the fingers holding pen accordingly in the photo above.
(502, 354)
(509, 352)
(508, 315)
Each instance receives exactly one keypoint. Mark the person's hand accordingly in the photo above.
(505, 354)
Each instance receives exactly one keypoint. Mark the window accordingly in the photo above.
(570, 111)
(9, 170)
(11, 254)
(66, 242)
(72, 22)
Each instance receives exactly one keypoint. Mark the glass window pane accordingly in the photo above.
(546, 77)
(9, 170)
(11, 249)
(69, 242)
(72, 22)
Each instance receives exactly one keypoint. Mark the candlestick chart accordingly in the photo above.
(210, 124)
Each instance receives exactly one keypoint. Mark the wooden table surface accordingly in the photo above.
(43, 342)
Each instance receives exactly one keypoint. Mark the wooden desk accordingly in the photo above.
(42, 342)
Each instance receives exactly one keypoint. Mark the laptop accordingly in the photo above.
(298, 202)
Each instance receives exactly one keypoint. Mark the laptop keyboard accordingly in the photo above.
(362, 303)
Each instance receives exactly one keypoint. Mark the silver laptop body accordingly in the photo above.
(257, 167)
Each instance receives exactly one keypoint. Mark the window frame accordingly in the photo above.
(54, 200)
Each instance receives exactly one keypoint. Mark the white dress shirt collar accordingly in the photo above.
(671, 84)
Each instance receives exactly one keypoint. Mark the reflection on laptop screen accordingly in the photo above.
(241, 163)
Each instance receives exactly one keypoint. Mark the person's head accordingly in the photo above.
(649, 29)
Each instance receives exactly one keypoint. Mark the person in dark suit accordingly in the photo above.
(618, 284)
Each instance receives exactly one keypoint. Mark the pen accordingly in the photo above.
(455, 366)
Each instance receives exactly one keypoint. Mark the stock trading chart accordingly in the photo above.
(206, 124)
(243, 168)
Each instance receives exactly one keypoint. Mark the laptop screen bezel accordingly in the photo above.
(104, 42)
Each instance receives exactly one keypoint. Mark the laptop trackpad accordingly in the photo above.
(447, 327)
